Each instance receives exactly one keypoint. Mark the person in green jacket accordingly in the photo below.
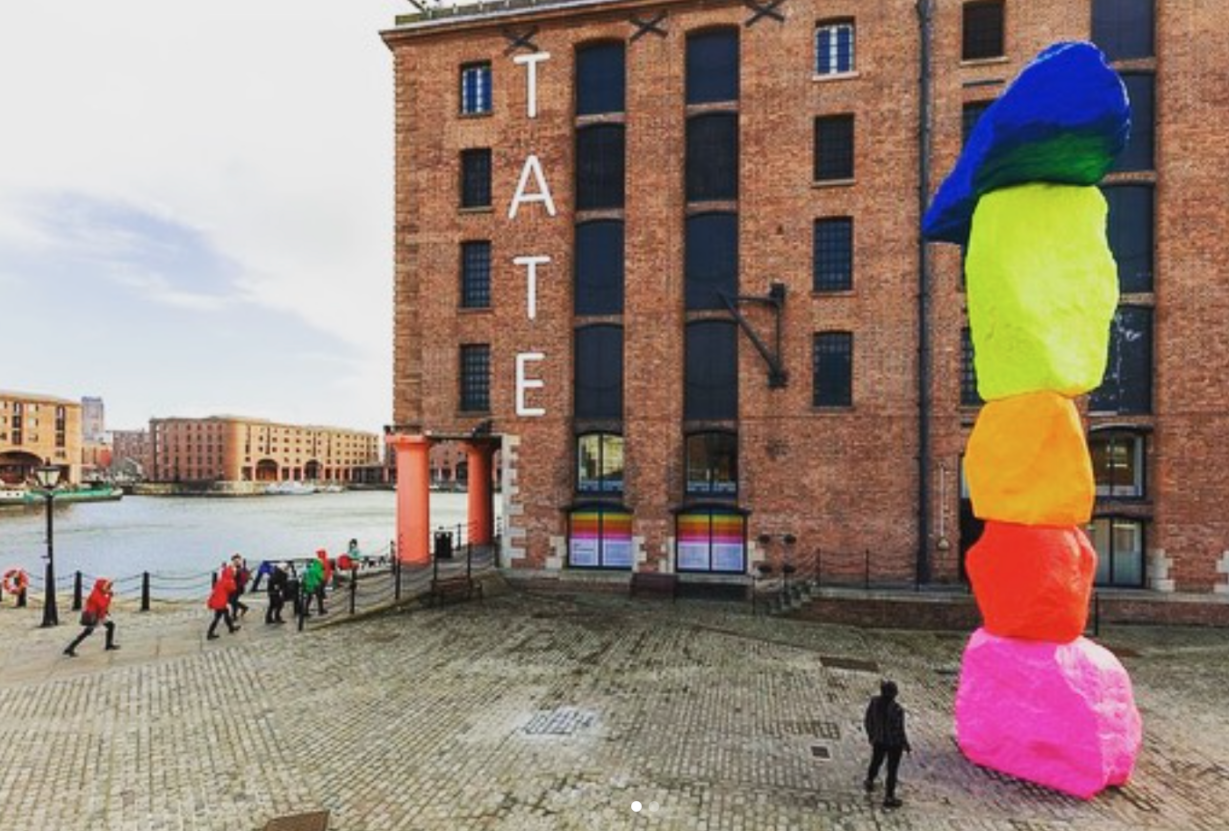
(313, 585)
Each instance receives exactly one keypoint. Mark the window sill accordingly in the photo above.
(821, 294)
(843, 409)
(834, 183)
(973, 63)
(835, 76)
(477, 209)
(474, 310)
(473, 413)
(470, 116)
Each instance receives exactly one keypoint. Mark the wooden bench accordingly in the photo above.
(653, 582)
(459, 586)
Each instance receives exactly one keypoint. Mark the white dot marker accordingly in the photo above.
(636, 806)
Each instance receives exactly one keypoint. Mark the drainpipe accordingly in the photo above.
(925, 9)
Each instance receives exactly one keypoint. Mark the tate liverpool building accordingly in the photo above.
(665, 257)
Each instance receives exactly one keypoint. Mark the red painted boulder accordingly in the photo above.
(1032, 582)
(1062, 716)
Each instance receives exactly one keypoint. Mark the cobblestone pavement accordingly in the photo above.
(532, 712)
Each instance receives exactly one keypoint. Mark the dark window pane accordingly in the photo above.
(983, 30)
(969, 397)
(833, 254)
(711, 382)
(599, 372)
(711, 260)
(833, 369)
(1129, 229)
(1127, 387)
(476, 88)
(1123, 29)
(476, 178)
(972, 112)
(834, 148)
(834, 47)
(600, 79)
(599, 268)
(712, 157)
(1139, 152)
(712, 67)
(1117, 463)
(712, 464)
(475, 275)
(599, 167)
(476, 378)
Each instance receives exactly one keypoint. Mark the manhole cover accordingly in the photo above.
(854, 664)
(562, 721)
(315, 821)
(820, 751)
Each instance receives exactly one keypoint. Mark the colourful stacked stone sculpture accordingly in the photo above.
(1037, 700)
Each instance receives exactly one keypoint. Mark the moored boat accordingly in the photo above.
(17, 496)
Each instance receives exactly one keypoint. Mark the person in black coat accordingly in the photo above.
(885, 729)
(278, 577)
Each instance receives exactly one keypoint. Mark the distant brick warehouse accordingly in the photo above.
(230, 449)
(666, 256)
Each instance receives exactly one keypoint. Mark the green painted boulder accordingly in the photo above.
(1042, 289)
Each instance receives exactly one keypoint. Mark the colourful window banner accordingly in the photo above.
(711, 541)
(601, 539)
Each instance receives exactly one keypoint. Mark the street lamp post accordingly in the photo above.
(48, 477)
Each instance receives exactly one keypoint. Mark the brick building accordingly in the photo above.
(665, 255)
(230, 449)
(130, 452)
(34, 429)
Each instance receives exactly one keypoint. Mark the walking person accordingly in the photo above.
(278, 578)
(313, 586)
(327, 565)
(219, 601)
(885, 729)
(97, 612)
(291, 592)
(242, 575)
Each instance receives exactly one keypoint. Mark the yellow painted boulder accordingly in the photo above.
(1042, 289)
(1027, 462)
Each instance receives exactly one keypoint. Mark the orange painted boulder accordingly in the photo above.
(1032, 582)
(1027, 462)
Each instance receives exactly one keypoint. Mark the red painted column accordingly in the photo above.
(481, 515)
(413, 498)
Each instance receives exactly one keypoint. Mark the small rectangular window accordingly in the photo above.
(712, 157)
(983, 30)
(600, 79)
(834, 43)
(598, 367)
(476, 275)
(969, 117)
(969, 396)
(1117, 463)
(1141, 92)
(599, 167)
(1124, 29)
(1119, 544)
(476, 178)
(833, 369)
(599, 268)
(710, 372)
(710, 260)
(833, 254)
(1127, 386)
(476, 88)
(712, 67)
(1129, 229)
(834, 148)
(476, 378)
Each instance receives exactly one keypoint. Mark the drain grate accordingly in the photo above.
(821, 751)
(562, 721)
(854, 664)
(315, 821)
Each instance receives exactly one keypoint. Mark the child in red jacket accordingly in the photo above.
(219, 600)
(97, 611)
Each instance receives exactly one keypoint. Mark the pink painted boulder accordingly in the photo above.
(1062, 716)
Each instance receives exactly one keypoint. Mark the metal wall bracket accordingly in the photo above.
(767, 9)
(777, 376)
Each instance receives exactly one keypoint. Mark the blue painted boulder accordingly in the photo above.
(1063, 120)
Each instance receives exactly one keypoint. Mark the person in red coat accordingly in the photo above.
(97, 612)
(328, 567)
(219, 600)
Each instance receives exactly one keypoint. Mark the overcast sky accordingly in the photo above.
(196, 207)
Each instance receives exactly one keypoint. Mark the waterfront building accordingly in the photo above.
(37, 429)
(666, 256)
(130, 453)
(234, 449)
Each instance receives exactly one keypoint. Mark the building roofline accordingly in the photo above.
(268, 423)
(38, 398)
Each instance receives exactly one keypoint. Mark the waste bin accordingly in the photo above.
(443, 545)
